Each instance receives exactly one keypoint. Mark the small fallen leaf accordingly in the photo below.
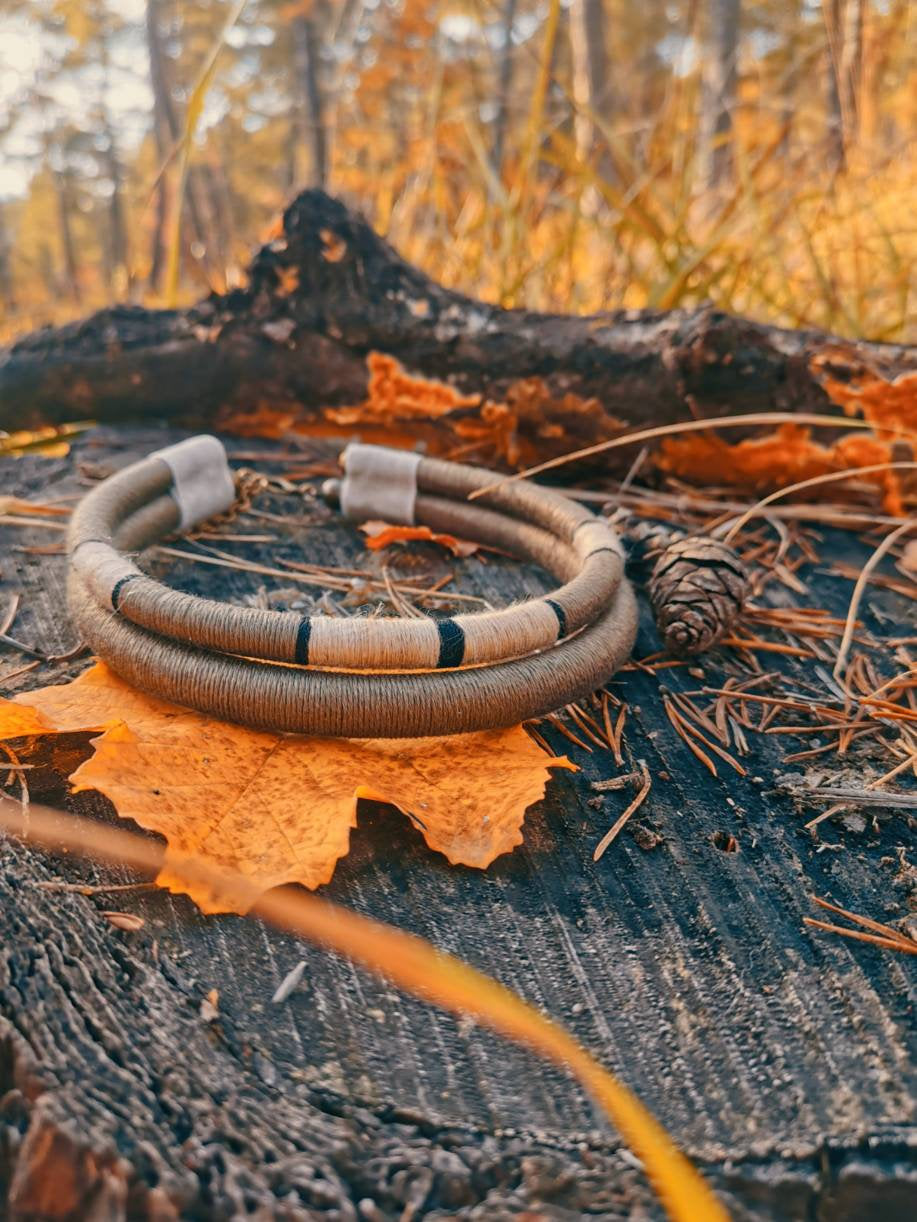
(383, 534)
(264, 419)
(287, 281)
(279, 329)
(278, 808)
(908, 561)
(46, 441)
(334, 248)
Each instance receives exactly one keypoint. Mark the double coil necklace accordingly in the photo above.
(361, 676)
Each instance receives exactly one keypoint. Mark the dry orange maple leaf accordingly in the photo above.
(278, 808)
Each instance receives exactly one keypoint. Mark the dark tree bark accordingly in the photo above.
(328, 292)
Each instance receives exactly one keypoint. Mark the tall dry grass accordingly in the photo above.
(790, 239)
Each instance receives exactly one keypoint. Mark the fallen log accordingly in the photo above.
(338, 333)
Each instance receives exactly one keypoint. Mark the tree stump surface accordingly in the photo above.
(780, 1058)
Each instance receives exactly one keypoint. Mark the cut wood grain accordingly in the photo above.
(781, 1058)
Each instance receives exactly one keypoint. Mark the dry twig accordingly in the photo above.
(619, 823)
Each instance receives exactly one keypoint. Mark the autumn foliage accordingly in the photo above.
(279, 808)
(472, 145)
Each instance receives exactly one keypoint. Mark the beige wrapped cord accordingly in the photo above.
(579, 549)
(271, 696)
(177, 646)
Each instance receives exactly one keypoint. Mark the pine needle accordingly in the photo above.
(862, 581)
(830, 477)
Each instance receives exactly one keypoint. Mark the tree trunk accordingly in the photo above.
(68, 247)
(114, 238)
(720, 92)
(219, 222)
(49, 278)
(591, 78)
(851, 69)
(157, 241)
(328, 292)
(888, 31)
(833, 107)
(308, 72)
(504, 83)
(7, 289)
(116, 242)
(162, 136)
(167, 131)
(790, 77)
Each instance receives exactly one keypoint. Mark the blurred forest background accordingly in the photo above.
(557, 154)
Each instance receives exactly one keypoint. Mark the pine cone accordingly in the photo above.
(697, 588)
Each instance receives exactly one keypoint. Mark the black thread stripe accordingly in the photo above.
(561, 617)
(451, 643)
(118, 587)
(301, 653)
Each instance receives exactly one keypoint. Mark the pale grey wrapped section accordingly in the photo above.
(202, 483)
(379, 482)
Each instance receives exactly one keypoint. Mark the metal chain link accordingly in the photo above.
(249, 484)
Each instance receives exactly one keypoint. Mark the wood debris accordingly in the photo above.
(622, 819)
(127, 921)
